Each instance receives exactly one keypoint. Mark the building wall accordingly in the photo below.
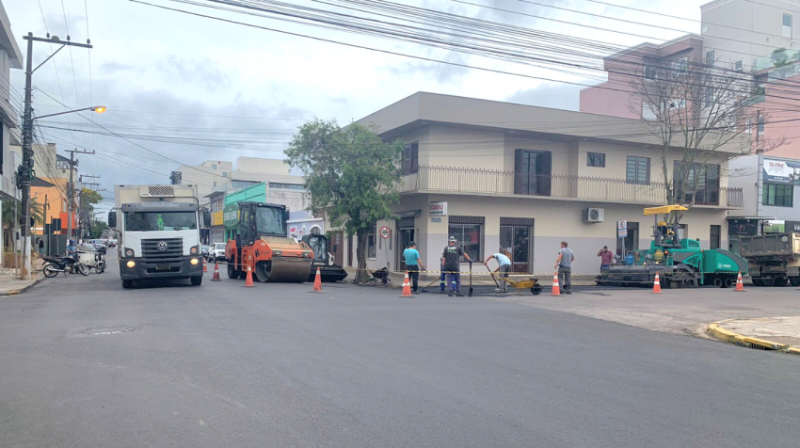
(207, 177)
(611, 98)
(260, 165)
(743, 173)
(554, 222)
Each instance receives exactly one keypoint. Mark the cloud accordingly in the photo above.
(203, 71)
(558, 96)
(442, 73)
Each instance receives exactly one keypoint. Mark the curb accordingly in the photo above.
(731, 337)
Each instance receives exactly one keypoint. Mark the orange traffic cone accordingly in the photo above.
(657, 285)
(215, 278)
(406, 287)
(205, 266)
(249, 280)
(739, 283)
(556, 290)
(317, 282)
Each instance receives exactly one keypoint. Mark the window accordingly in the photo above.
(701, 183)
(787, 25)
(677, 104)
(469, 237)
(761, 124)
(710, 57)
(372, 243)
(708, 96)
(596, 159)
(285, 186)
(680, 67)
(239, 184)
(779, 195)
(411, 158)
(648, 111)
(213, 167)
(215, 184)
(738, 65)
(650, 72)
(638, 170)
(224, 174)
(631, 240)
(748, 126)
(532, 172)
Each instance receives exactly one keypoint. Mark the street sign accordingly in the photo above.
(385, 232)
(622, 229)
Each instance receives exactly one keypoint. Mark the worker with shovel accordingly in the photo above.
(503, 269)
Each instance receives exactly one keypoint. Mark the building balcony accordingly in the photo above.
(438, 179)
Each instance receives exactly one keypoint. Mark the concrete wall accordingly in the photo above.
(607, 99)
(260, 165)
(743, 173)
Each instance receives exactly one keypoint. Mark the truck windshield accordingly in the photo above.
(159, 221)
(270, 221)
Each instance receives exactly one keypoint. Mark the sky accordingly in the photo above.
(184, 89)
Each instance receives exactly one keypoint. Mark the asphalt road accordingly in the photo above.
(84, 363)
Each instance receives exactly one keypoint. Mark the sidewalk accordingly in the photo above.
(775, 333)
(10, 285)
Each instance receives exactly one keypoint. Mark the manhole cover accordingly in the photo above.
(107, 331)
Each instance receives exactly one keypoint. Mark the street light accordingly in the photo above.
(98, 109)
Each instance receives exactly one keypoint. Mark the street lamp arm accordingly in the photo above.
(98, 109)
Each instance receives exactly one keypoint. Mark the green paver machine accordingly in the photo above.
(679, 262)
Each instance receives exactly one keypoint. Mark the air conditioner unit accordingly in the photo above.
(593, 215)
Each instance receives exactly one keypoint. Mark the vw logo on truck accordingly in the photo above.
(162, 246)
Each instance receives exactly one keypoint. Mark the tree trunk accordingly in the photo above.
(361, 254)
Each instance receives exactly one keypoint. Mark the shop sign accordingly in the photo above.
(781, 171)
(437, 209)
(230, 215)
(791, 226)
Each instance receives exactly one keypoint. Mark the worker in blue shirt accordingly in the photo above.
(413, 264)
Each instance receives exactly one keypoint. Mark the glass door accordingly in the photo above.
(519, 245)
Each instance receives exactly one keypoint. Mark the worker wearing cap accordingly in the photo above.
(451, 259)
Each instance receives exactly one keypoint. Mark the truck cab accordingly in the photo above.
(159, 234)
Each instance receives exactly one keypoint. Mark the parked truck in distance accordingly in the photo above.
(159, 232)
(774, 259)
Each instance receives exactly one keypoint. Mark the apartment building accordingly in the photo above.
(216, 232)
(526, 178)
(10, 133)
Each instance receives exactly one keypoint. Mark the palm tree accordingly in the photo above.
(13, 208)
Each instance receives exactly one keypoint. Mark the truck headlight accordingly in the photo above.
(131, 264)
(276, 252)
(194, 261)
(194, 250)
(129, 253)
(306, 254)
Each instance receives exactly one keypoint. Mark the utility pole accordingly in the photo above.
(45, 233)
(71, 190)
(81, 214)
(26, 169)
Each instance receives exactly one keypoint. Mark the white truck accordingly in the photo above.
(159, 232)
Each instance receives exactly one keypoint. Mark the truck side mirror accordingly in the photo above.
(112, 219)
(286, 215)
(206, 218)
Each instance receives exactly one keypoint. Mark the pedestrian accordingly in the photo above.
(413, 264)
(40, 243)
(505, 266)
(451, 258)
(564, 266)
(606, 257)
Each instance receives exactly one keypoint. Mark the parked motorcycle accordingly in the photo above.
(55, 264)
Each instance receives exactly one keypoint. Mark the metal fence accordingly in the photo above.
(483, 181)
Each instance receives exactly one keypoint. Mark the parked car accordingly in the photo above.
(217, 252)
(205, 250)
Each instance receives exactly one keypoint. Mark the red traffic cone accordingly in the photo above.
(657, 285)
(249, 280)
(739, 283)
(205, 266)
(406, 287)
(215, 278)
(317, 282)
(556, 290)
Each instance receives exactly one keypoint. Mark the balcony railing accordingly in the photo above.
(480, 181)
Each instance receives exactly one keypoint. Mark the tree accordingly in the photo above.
(10, 207)
(350, 174)
(88, 199)
(697, 109)
(99, 229)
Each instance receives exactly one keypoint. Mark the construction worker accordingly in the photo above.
(451, 259)
(564, 266)
(413, 264)
(503, 269)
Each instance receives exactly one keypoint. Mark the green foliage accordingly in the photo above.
(351, 174)
(98, 229)
(11, 206)
(90, 196)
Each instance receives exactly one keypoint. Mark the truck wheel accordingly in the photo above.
(127, 284)
(233, 274)
(795, 281)
(758, 282)
(196, 281)
(243, 274)
(730, 282)
(718, 282)
(780, 281)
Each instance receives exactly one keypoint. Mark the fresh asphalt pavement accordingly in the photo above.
(84, 363)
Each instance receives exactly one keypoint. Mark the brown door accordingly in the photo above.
(337, 248)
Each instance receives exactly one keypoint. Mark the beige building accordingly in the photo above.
(526, 178)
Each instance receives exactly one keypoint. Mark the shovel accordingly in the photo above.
(425, 289)
(469, 294)
(492, 274)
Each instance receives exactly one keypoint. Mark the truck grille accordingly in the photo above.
(174, 248)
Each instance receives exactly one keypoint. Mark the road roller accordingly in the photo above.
(262, 245)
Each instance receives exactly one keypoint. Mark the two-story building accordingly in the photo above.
(526, 178)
